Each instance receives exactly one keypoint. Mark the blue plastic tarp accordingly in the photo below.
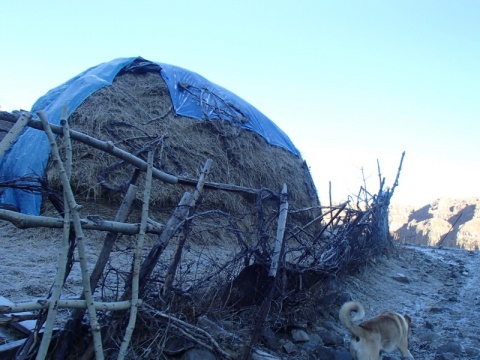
(192, 96)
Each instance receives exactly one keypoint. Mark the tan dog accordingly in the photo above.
(386, 332)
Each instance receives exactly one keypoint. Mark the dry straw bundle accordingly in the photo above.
(137, 115)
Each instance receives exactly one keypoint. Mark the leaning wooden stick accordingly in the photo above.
(106, 146)
(62, 304)
(111, 237)
(137, 260)
(190, 331)
(23, 221)
(272, 274)
(62, 259)
(282, 220)
(395, 184)
(74, 208)
(178, 254)
(68, 142)
(109, 147)
(14, 133)
(173, 224)
(14, 318)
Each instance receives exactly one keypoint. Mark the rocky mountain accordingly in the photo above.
(447, 222)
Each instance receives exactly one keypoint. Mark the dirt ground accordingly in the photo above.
(438, 287)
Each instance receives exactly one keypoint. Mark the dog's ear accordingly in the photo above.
(408, 319)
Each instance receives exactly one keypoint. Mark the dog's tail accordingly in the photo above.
(346, 319)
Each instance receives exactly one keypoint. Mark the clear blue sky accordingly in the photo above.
(349, 81)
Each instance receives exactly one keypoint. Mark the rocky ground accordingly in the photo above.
(438, 287)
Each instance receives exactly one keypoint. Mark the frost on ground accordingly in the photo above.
(29, 262)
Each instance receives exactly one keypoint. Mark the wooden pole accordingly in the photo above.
(80, 239)
(63, 304)
(137, 260)
(178, 254)
(62, 258)
(178, 217)
(272, 275)
(10, 138)
(106, 146)
(23, 221)
(282, 219)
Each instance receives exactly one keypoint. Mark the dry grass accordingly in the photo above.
(136, 113)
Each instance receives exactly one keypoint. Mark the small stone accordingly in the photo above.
(313, 344)
(451, 347)
(177, 345)
(299, 336)
(211, 327)
(289, 347)
(269, 337)
(446, 356)
(429, 336)
(401, 278)
(198, 354)
(263, 355)
(472, 352)
(330, 338)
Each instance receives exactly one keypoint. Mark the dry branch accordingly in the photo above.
(68, 142)
(220, 186)
(137, 260)
(14, 318)
(94, 326)
(23, 221)
(13, 134)
(282, 219)
(178, 217)
(111, 237)
(109, 148)
(178, 254)
(193, 332)
(395, 183)
(106, 146)
(172, 226)
(62, 263)
(272, 274)
(64, 303)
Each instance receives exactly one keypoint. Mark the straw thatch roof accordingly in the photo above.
(136, 114)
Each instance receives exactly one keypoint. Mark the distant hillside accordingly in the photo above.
(447, 222)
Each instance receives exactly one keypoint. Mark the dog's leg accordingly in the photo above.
(403, 346)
